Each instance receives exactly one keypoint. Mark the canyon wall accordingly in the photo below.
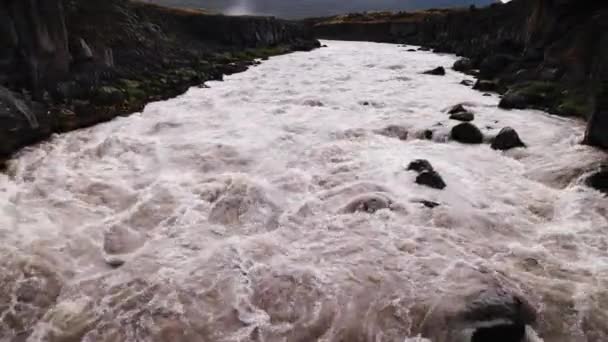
(66, 64)
(544, 54)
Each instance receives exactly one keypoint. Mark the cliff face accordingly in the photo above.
(546, 54)
(66, 64)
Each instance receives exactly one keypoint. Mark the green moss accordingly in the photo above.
(574, 104)
(108, 95)
(538, 89)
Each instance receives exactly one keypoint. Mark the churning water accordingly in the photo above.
(232, 214)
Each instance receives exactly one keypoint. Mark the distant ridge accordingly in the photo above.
(314, 8)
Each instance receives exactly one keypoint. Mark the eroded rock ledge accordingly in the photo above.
(547, 54)
(66, 64)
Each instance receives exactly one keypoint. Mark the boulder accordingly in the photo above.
(599, 180)
(459, 108)
(439, 71)
(467, 133)
(463, 65)
(500, 333)
(420, 165)
(507, 139)
(431, 179)
(463, 116)
(514, 100)
(467, 83)
(486, 85)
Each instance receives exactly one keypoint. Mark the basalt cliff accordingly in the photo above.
(66, 64)
(545, 54)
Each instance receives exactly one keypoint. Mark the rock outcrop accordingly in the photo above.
(549, 54)
(66, 64)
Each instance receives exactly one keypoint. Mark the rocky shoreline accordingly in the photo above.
(543, 54)
(72, 64)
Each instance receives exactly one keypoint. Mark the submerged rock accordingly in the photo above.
(431, 179)
(394, 131)
(467, 133)
(420, 165)
(507, 139)
(463, 116)
(428, 204)
(439, 71)
(369, 203)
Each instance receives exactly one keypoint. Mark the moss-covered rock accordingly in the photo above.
(107, 95)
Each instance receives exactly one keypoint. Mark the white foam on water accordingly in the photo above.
(230, 210)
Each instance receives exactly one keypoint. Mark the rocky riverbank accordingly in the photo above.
(544, 54)
(74, 63)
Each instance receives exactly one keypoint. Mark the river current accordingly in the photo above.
(230, 213)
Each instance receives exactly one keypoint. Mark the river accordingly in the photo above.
(228, 214)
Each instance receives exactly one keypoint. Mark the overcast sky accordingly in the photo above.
(308, 8)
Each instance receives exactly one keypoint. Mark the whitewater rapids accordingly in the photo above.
(226, 214)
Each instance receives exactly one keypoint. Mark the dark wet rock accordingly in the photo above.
(599, 180)
(115, 261)
(500, 333)
(499, 304)
(82, 52)
(486, 85)
(467, 83)
(369, 203)
(459, 108)
(394, 131)
(487, 94)
(597, 127)
(495, 64)
(466, 133)
(428, 204)
(463, 65)
(463, 116)
(427, 134)
(108, 96)
(431, 179)
(424, 49)
(420, 165)
(412, 50)
(439, 71)
(21, 122)
(513, 100)
(507, 139)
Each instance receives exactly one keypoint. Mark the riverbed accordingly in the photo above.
(231, 213)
